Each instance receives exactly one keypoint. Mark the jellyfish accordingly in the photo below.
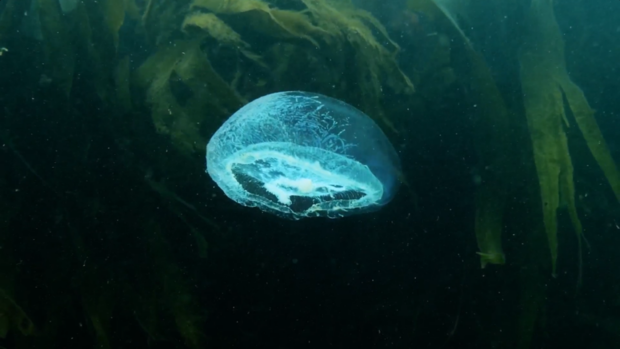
(298, 154)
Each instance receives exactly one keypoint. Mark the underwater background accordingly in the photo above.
(504, 232)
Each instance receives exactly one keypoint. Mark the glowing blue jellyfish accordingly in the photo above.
(299, 154)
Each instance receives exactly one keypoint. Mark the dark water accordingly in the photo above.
(113, 236)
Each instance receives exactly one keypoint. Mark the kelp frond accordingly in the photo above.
(189, 95)
(492, 140)
(546, 85)
(13, 318)
(185, 64)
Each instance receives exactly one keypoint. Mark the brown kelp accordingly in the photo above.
(13, 318)
(263, 41)
(547, 91)
(492, 126)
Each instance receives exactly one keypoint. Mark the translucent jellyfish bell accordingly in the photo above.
(299, 154)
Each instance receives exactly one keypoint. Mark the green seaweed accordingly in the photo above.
(492, 142)
(175, 292)
(13, 318)
(546, 85)
(187, 64)
(59, 48)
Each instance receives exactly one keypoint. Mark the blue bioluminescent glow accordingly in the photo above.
(300, 154)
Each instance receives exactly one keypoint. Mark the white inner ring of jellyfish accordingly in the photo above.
(286, 170)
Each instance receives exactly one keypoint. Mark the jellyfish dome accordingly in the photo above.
(300, 154)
